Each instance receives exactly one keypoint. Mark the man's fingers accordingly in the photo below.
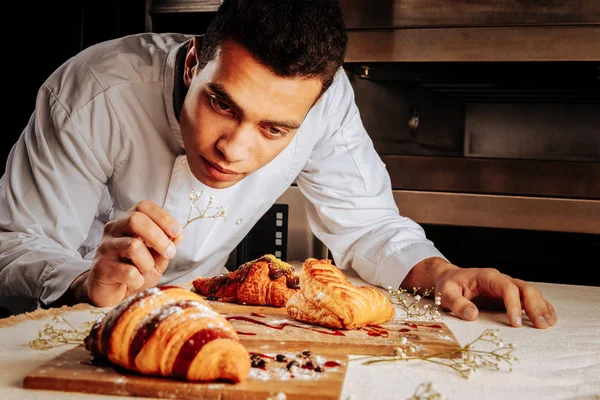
(453, 299)
(135, 249)
(498, 285)
(160, 217)
(161, 263)
(116, 272)
(140, 225)
(123, 260)
(540, 312)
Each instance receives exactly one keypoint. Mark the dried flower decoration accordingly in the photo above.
(208, 212)
(51, 336)
(410, 303)
(465, 360)
(426, 391)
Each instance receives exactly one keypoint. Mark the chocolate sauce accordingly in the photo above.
(276, 274)
(376, 331)
(331, 364)
(217, 283)
(257, 315)
(242, 272)
(416, 326)
(283, 325)
(144, 333)
(192, 347)
(116, 313)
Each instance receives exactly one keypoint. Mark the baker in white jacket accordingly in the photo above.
(97, 189)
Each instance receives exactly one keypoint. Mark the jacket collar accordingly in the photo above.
(174, 87)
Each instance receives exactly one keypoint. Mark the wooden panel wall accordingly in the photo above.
(384, 14)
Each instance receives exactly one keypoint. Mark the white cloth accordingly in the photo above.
(560, 363)
(104, 135)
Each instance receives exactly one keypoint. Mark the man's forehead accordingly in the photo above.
(234, 56)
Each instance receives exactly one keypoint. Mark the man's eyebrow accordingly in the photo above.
(285, 124)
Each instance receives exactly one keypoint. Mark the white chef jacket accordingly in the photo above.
(105, 135)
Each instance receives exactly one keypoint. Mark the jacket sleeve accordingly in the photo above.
(350, 205)
(49, 197)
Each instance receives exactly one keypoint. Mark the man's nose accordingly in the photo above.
(236, 143)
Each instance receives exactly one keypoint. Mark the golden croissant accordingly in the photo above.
(327, 298)
(264, 281)
(170, 331)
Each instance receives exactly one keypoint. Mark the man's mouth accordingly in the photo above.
(219, 173)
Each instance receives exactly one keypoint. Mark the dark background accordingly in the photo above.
(45, 35)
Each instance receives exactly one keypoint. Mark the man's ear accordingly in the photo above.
(191, 61)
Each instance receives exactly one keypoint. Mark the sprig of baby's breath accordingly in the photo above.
(410, 303)
(208, 212)
(426, 391)
(51, 335)
(465, 360)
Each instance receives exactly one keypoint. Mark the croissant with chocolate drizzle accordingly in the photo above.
(327, 298)
(172, 332)
(265, 281)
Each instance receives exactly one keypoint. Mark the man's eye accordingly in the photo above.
(275, 131)
(219, 105)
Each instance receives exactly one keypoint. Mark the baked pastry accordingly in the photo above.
(327, 298)
(170, 331)
(266, 281)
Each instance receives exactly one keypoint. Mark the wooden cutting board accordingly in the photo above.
(271, 329)
(76, 371)
(267, 331)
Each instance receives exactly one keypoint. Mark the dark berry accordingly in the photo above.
(291, 364)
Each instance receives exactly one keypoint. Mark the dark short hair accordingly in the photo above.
(293, 38)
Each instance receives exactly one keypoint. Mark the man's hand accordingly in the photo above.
(132, 256)
(462, 288)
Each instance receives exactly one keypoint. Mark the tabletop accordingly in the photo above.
(562, 362)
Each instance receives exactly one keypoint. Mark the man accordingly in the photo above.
(96, 191)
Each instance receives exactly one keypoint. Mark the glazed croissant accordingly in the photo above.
(264, 281)
(170, 331)
(327, 298)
